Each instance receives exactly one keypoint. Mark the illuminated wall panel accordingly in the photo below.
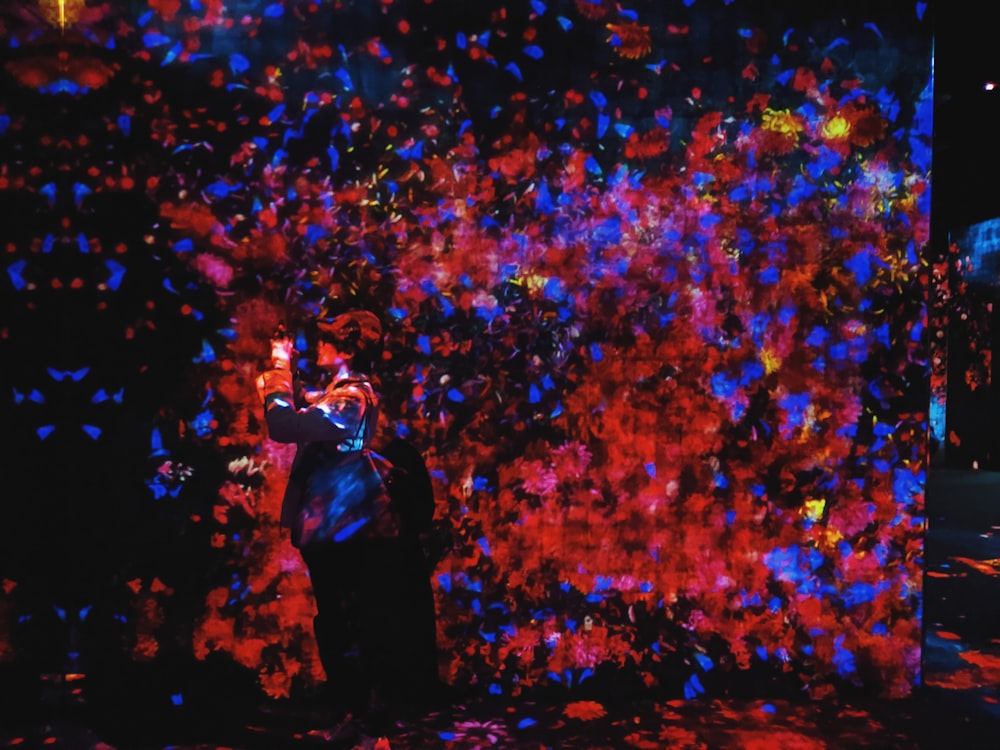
(655, 302)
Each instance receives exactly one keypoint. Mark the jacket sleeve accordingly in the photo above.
(327, 421)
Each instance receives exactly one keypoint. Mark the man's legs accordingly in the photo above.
(332, 571)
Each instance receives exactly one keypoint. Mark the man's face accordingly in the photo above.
(328, 355)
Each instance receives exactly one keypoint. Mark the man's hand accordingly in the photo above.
(282, 351)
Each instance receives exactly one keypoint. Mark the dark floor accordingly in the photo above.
(958, 706)
(933, 721)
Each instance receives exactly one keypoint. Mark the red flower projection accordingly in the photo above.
(584, 710)
(652, 345)
(61, 71)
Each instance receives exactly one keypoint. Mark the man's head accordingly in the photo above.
(354, 336)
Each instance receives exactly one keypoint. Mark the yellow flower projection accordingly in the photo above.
(62, 13)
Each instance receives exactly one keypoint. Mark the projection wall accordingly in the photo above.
(655, 302)
(963, 316)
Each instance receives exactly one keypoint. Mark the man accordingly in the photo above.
(359, 543)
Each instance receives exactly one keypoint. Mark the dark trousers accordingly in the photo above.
(375, 625)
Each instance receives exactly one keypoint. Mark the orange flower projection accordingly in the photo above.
(630, 40)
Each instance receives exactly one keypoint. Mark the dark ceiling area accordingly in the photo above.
(966, 177)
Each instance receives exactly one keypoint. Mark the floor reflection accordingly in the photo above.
(958, 705)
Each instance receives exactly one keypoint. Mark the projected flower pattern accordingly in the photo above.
(657, 303)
